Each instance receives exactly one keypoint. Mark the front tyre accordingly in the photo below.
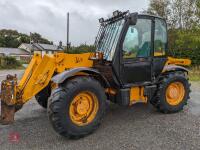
(173, 93)
(77, 107)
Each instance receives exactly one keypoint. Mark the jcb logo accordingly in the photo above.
(78, 60)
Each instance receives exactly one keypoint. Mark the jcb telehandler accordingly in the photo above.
(131, 65)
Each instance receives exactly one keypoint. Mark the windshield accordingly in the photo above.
(107, 38)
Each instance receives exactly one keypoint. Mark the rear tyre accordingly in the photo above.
(173, 93)
(77, 107)
(42, 96)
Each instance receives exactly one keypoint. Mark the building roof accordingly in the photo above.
(38, 46)
(13, 51)
(28, 46)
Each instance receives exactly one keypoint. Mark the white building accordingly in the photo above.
(42, 48)
(19, 54)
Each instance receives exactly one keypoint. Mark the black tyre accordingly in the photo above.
(77, 107)
(42, 96)
(173, 93)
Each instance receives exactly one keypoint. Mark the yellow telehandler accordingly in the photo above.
(130, 65)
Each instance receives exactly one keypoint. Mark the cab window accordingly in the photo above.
(137, 42)
(160, 38)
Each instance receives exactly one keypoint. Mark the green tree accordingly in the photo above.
(37, 38)
(12, 38)
(178, 13)
(198, 9)
(159, 7)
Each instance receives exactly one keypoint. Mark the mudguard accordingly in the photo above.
(168, 68)
(60, 78)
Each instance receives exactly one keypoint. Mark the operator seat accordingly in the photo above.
(145, 50)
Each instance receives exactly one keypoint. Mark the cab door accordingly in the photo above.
(136, 52)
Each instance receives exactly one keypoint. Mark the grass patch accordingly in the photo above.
(194, 75)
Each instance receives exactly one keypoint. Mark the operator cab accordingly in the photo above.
(135, 45)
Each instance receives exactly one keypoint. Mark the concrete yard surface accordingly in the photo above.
(136, 127)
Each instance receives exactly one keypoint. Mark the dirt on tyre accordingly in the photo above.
(77, 107)
(173, 93)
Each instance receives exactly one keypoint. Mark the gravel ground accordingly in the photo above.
(137, 127)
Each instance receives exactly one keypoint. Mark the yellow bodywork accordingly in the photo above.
(36, 77)
(40, 71)
(178, 61)
(137, 95)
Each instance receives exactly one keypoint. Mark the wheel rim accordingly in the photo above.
(83, 108)
(175, 93)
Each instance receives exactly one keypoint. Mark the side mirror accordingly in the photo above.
(133, 18)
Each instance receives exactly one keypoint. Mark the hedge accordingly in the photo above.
(9, 63)
(185, 44)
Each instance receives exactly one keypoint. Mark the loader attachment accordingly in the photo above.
(8, 96)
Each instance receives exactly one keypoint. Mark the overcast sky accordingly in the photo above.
(48, 17)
